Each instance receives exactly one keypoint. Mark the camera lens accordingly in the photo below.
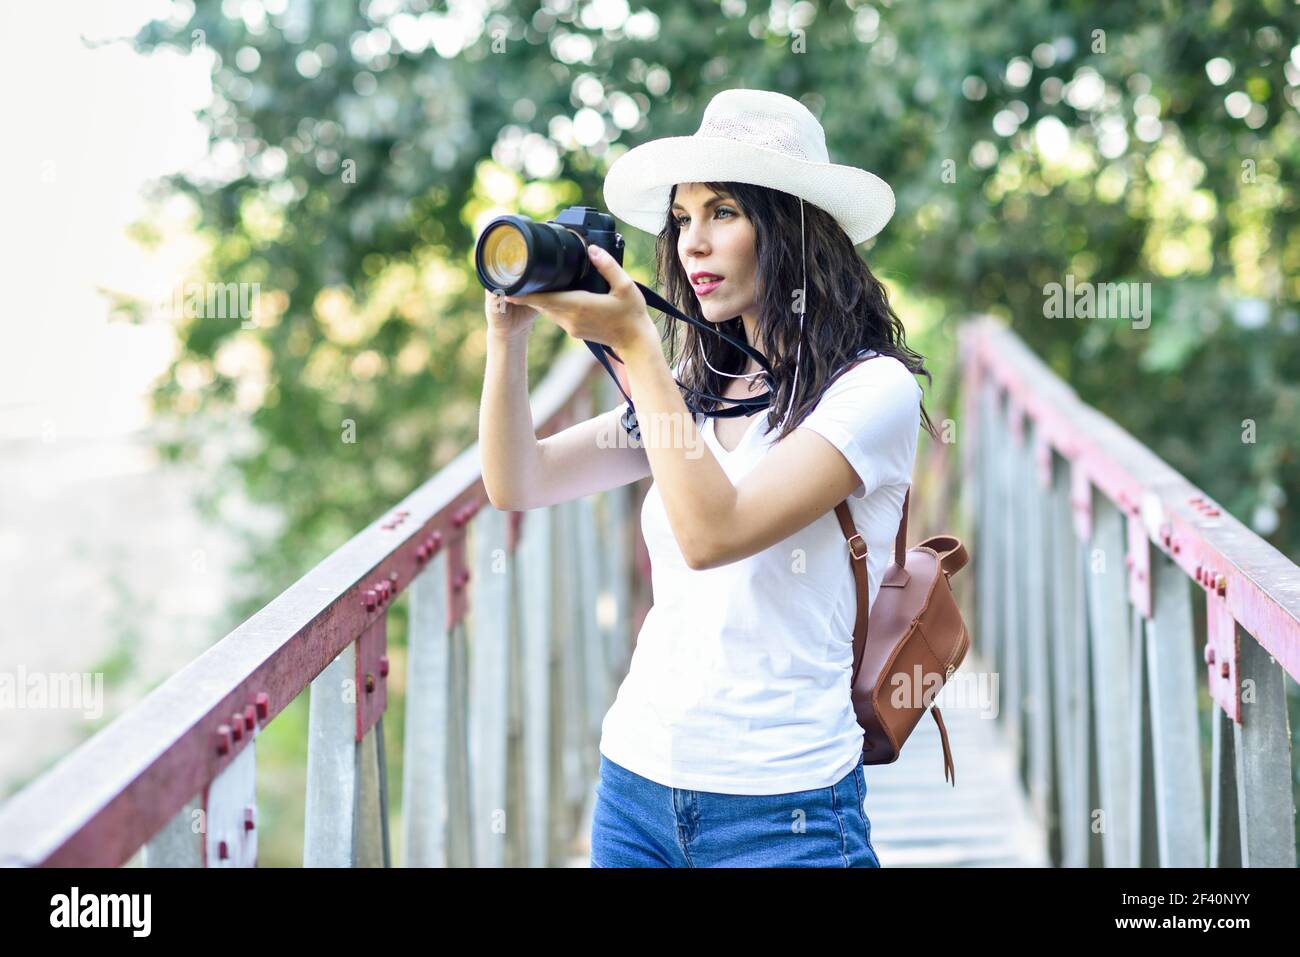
(521, 256)
(505, 254)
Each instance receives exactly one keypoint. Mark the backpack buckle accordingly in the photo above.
(859, 538)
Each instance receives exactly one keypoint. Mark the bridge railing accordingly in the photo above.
(519, 629)
(1113, 599)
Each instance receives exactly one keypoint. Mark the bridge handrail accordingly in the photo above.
(116, 791)
(1086, 547)
(1260, 584)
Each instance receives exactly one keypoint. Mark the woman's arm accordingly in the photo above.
(715, 521)
(519, 472)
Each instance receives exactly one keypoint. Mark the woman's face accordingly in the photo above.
(716, 237)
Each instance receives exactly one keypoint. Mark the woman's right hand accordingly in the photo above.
(507, 319)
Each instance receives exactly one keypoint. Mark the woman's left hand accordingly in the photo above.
(618, 318)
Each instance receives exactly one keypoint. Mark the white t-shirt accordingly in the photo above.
(739, 681)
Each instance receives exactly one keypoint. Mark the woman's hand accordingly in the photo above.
(619, 318)
(505, 318)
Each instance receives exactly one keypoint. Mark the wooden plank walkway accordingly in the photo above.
(920, 820)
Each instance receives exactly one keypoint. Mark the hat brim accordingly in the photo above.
(638, 184)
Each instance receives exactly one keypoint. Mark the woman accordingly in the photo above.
(733, 740)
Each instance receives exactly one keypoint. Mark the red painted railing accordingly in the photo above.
(179, 756)
(1087, 544)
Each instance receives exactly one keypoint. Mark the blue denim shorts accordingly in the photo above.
(637, 822)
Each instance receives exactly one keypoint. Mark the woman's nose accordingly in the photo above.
(695, 239)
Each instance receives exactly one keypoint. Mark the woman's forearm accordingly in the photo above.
(507, 438)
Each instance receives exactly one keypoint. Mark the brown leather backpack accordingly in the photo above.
(916, 632)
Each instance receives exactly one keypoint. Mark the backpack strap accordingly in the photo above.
(951, 552)
(858, 562)
(949, 769)
(900, 540)
(895, 575)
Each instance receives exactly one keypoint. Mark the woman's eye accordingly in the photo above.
(681, 220)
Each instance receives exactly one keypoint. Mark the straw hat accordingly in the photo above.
(749, 136)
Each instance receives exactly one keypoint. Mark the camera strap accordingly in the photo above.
(603, 353)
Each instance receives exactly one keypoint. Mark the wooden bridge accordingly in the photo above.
(1125, 703)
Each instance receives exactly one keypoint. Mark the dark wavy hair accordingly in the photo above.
(847, 308)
